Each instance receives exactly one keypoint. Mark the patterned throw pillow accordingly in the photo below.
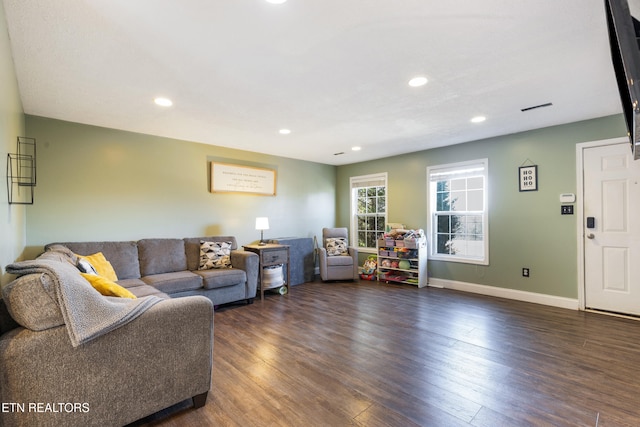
(336, 246)
(215, 255)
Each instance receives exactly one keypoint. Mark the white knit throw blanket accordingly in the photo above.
(87, 313)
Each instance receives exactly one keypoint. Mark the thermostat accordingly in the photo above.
(567, 198)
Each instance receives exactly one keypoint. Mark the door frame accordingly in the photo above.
(580, 226)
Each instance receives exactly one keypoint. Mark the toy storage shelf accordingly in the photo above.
(402, 261)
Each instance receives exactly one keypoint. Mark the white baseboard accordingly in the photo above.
(513, 294)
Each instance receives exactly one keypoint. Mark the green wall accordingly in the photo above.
(525, 229)
(96, 183)
(104, 184)
(12, 217)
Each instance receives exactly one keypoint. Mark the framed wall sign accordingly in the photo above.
(528, 178)
(227, 178)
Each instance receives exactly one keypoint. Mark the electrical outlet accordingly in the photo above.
(525, 272)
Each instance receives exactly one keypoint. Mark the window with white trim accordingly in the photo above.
(368, 210)
(458, 212)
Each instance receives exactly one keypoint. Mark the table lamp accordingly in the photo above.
(262, 223)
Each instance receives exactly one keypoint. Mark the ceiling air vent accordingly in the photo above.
(548, 104)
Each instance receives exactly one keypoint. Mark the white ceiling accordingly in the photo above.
(335, 72)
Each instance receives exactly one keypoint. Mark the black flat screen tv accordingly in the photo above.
(625, 55)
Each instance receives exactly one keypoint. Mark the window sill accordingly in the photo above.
(367, 250)
(459, 260)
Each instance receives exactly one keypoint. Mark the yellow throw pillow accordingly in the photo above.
(107, 287)
(102, 266)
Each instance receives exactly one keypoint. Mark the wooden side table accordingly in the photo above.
(271, 254)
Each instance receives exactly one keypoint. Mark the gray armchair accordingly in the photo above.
(338, 260)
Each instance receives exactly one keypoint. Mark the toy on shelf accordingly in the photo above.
(369, 268)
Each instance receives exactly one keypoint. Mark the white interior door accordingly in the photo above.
(611, 229)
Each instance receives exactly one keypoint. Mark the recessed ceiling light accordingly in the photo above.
(356, 148)
(276, 1)
(478, 119)
(418, 81)
(284, 131)
(163, 102)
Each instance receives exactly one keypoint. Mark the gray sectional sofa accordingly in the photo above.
(169, 268)
(70, 356)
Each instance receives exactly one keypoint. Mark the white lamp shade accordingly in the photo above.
(262, 223)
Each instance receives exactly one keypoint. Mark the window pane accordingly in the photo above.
(459, 246)
(467, 239)
(443, 224)
(443, 202)
(371, 223)
(458, 201)
(444, 241)
(474, 224)
(371, 191)
(372, 205)
(475, 248)
(362, 205)
(474, 199)
(458, 184)
(362, 222)
(458, 224)
(380, 226)
(475, 183)
(382, 204)
(362, 238)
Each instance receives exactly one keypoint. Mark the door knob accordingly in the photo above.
(590, 236)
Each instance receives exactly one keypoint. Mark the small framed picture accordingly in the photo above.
(528, 178)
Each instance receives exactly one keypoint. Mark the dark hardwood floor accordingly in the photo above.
(370, 354)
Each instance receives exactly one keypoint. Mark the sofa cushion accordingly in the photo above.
(339, 260)
(176, 281)
(141, 289)
(214, 255)
(159, 256)
(29, 303)
(219, 278)
(192, 248)
(123, 256)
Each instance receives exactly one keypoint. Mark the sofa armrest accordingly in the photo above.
(250, 263)
(353, 251)
(322, 261)
(161, 358)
